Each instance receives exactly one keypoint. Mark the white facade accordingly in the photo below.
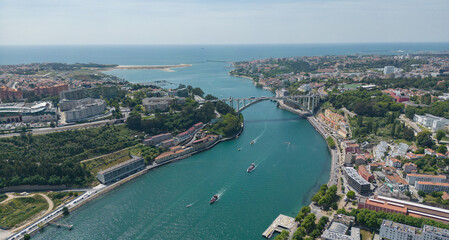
(78, 110)
(429, 187)
(432, 122)
(388, 70)
(412, 178)
(397, 231)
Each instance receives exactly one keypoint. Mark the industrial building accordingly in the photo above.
(356, 181)
(121, 170)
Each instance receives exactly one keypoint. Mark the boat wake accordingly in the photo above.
(261, 134)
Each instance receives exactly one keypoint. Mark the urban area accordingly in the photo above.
(70, 132)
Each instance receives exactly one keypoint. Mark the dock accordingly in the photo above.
(69, 227)
(282, 222)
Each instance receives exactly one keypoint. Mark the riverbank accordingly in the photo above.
(102, 189)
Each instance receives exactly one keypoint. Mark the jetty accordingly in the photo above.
(281, 223)
(69, 227)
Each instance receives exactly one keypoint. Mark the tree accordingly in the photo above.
(442, 149)
(26, 236)
(52, 124)
(421, 193)
(65, 211)
(315, 233)
(424, 139)
(440, 134)
(408, 134)
(299, 234)
(134, 121)
(283, 236)
(350, 194)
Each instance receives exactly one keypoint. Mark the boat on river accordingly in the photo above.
(251, 168)
(252, 142)
(213, 199)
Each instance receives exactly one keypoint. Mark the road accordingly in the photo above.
(409, 123)
(63, 128)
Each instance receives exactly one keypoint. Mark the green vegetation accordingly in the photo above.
(187, 115)
(65, 211)
(229, 126)
(326, 196)
(55, 158)
(436, 198)
(3, 197)
(283, 236)
(330, 142)
(26, 237)
(350, 194)
(372, 219)
(429, 83)
(302, 213)
(366, 235)
(439, 108)
(430, 164)
(60, 197)
(18, 210)
(424, 139)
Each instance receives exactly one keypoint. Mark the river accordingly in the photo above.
(292, 159)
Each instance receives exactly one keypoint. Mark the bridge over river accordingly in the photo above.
(306, 103)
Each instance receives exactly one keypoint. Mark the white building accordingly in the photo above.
(429, 187)
(388, 70)
(27, 112)
(412, 178)
(79, 110)
(432, 122)
(397, 231)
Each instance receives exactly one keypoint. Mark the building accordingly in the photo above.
(388, 70)
(51, 90)
(175, 152)
(397, 231)
(412, 178)
(339, 229)
(161, 103)
(10, 94)
(400, 150)
(154, 140)
(121, 170)
(365, 174)
(380, 150)
(204, 142)
(73, 94)
(434, 123)
(410, 167)
(80, 110)
(394, 162)
(394, 205)
(429, 187)
(356, 181)
(27, 112)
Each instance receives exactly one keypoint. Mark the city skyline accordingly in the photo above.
(139, 22)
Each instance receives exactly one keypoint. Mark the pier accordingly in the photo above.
(69, 227)
(282, 222)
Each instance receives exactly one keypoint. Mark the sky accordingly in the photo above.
(129, 22)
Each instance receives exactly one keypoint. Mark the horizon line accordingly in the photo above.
(212, 44)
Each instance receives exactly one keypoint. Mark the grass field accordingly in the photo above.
(109, 160)
(3, 197)
(366, 235)
(18, 210)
